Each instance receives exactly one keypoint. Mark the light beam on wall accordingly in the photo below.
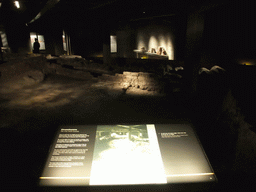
(156, 36)
(169, 47)
(153, 43)
(141, 41)
(164, 41)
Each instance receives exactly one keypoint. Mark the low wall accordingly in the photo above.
(145, 64)
(140, 80)
(145, 75)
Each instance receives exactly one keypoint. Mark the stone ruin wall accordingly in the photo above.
(79, 68)
(140, 80)
(82, 69)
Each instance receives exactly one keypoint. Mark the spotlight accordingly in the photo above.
(17, 4)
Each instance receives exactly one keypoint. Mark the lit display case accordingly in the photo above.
(147, 55)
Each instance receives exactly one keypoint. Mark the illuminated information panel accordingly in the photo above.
(145, 154)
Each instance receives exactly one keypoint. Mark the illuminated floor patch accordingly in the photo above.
(192, 174)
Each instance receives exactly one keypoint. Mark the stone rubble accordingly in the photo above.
(215, 69)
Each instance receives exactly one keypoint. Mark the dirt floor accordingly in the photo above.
(79, 101)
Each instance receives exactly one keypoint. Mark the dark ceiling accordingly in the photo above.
(118, 9)
(27, 11)
(94, 12)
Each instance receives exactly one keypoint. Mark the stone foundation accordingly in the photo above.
(140, 80)
(80, 68)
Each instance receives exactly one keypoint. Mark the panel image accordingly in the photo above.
(126, 154)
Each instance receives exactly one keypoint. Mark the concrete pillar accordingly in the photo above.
(194, 38)
(54, 43)
(17, 37)
(106, 45)
(126, 43)
(1, 53)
